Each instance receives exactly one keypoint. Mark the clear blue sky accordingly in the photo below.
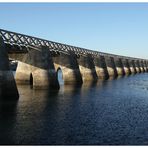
(119, 28)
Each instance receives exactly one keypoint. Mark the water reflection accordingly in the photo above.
(8, 113)
(106, 112)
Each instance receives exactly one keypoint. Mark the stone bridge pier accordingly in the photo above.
(36, 68)
(126, 66)
(69, 66)
(101, 68)
(87, 68)
(141, 66)
(111, 68)
(137, 66)
(119, 66)
(145, 66)
(8, 89)
(132, 66)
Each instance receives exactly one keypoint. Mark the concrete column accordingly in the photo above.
(137, 66)
(132, 66)
(142, 63)
(70, 68)
(101, 68)
(8, 88)
(37, 68)
(126, 66)
(23, 73)
(141, 66)
(145, 66)
(119, 66)
(146, 63)
(111, 68)
(87, 68)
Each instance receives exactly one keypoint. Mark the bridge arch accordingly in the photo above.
(31, 79)
(69, 67)
(60, 78)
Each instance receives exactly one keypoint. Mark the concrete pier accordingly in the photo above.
(141, 66)
(69, 67)
(111, 68)
(23, 73)
(145, 66)
(34, 69)
(126, 66)
(8, 89)
(132, 66)
(137, 66)
(87, 68)
(142, 63)
(101, 68)
(146, 63)
(119, 66)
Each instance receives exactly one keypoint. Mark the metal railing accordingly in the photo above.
(25, 40)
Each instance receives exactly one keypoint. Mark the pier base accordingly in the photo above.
(34, 70)
(111, 68)
(8, 88)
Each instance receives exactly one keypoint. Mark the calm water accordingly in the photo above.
(113, 112)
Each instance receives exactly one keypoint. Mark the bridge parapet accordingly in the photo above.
(18, 39)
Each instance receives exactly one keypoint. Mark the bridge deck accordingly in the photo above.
(21, 43)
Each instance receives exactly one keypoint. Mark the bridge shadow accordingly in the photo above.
(8, 115)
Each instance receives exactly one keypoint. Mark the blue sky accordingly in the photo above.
(119, 28)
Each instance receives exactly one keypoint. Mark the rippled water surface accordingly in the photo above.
(113, 112)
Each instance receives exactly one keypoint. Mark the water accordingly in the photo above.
(113, 112)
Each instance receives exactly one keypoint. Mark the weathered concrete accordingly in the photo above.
(119, 66)
(145, 66)
(137, 66)
(146, 63)
(70, 68)
(87, 68)
(141, 66)
(37, 67)
(111, 68)
(132, 66)
(101, 68)
(126, 66)
(8, 89)
(23, 73)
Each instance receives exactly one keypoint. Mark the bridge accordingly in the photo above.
(39, 61)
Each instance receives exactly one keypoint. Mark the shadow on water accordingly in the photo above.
(8, 113)
(107, 112)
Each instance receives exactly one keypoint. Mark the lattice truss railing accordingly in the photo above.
(25, 40)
